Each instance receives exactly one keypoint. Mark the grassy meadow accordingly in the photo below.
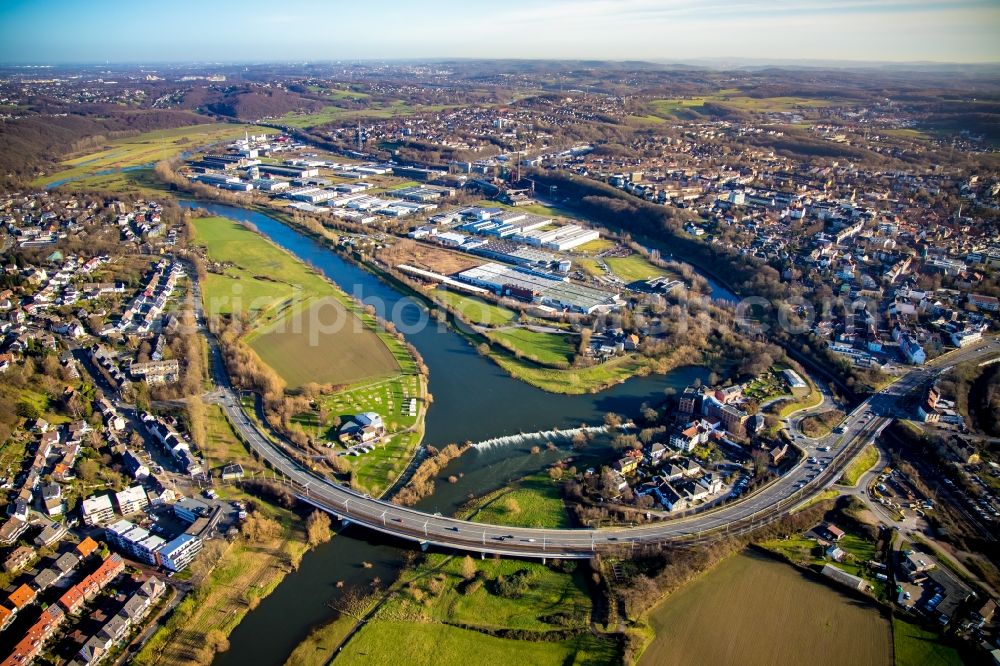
(475, 309)
(440, 617)
(915, 646)
(752, 610)
(91, 169)
(545, 348)
(863, 462)
(307, 330)
(303, 326)
(532, 502)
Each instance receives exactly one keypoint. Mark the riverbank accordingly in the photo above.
(474, 611)
(520, 361)
(356, 366)
(467, 392)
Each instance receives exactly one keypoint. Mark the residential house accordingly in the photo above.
(97, 510)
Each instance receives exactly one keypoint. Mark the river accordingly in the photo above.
(473, 400)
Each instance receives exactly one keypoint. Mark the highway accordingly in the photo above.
(762, 507)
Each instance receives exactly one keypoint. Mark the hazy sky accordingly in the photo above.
(62, 31)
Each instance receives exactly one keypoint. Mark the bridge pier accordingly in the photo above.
(423, 546)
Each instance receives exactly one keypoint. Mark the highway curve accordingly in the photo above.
(762, 507)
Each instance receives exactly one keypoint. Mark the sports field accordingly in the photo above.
(303, 326)
(753, 610)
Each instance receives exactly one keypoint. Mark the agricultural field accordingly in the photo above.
(439, 617)
(682, 107)
(475, 309)
(551, 349)
(534, 501)
(304, 327)
(861, 464)
(112, 164)
(331, 114)
(311, 352)
(915, 646)
(751, 610)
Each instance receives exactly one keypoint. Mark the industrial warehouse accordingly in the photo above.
(532, 286)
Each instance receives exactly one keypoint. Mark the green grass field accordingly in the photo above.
(222, 446)
(444, 645)
(594, 246)
(532, 502)
(788, 407)
(331, 114)
(305, 328)
(628, 269)
(575, 380)
(861, 464)
(296, 312)
(418, 624)
(85, 170)
(475, 309)
(680, 107)
(545, 348)
(634, 267)
(915, 646)
(752, 610)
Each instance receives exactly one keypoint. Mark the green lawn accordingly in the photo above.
(394, 642)
(533, 502)
(861, 464)
(594, 246)
(418, 623)
(144, 149)
(545, 348)
(915, 646)
(813, 399)
(628, 269)
(474, 309)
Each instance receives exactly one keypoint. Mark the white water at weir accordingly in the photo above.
(541, 436)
